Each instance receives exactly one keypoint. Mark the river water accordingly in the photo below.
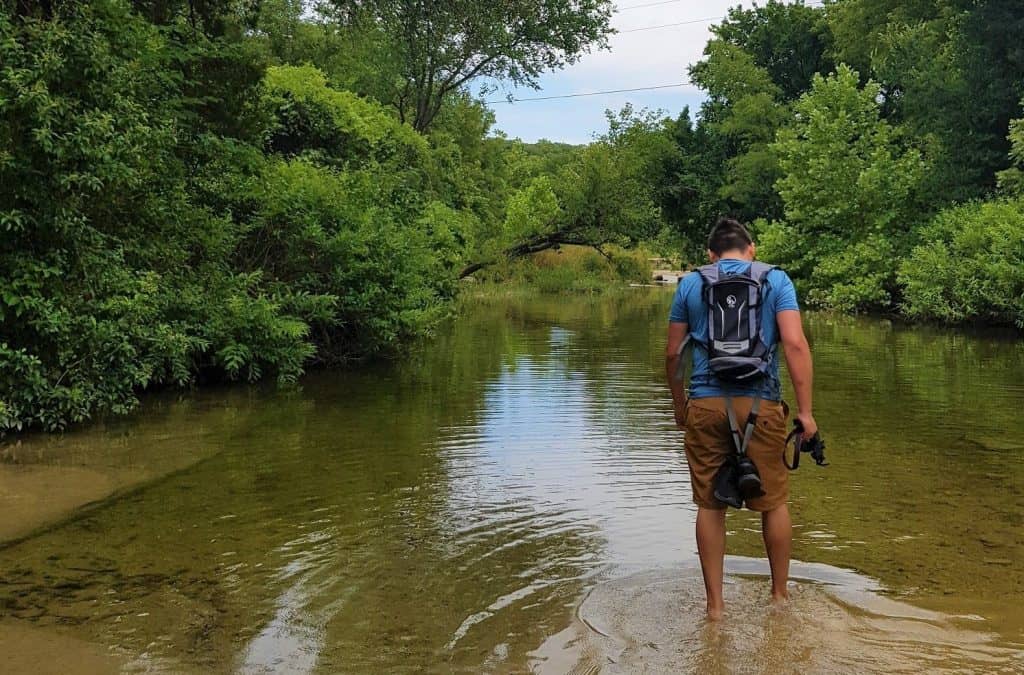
(512, 497)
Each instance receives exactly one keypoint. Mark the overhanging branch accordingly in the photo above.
(536, 245)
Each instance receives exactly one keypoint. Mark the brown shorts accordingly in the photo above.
(708, 442)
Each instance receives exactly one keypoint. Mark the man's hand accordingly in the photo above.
(676, 336)
(680, 410)
(809, 425)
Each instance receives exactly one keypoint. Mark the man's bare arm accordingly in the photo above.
(800, 365)
(676, 334)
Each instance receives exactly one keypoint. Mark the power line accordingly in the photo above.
(589, 93)
(635, 30)
(672, 2)
(671, 25)
(685, 23)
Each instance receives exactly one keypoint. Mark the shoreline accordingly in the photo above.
(512, 290)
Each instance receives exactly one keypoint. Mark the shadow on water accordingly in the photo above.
(450, 512)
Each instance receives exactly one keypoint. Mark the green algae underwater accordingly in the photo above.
(512, 497)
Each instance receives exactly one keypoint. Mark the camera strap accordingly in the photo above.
(795, 437)
(741, 442)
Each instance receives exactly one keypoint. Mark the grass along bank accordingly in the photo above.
(566, 269)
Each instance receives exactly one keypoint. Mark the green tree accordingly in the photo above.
(443, 46)
(351, 216)
(164, 221)
(471, 165)
(859, 27)
(330, 241)
(115, 276)
(603, 196)
(791, 41)
(1012, 180)
(759, 60)
(743, 107)
(849, 191)
(950, 73)
(691, 181)
(356, 58)
(335, 127)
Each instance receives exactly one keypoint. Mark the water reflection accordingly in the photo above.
(450, 511)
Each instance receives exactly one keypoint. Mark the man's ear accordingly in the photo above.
(712, 256)
(753, 251)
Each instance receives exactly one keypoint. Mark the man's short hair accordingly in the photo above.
(728, 234)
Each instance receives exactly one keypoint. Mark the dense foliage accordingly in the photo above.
(848, 190)
(183, 197)
(862, 139)
(969, 265)
(221, 190)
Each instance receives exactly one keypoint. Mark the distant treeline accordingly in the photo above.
(224, 190)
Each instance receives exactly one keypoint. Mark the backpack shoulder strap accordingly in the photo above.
(708, 273)
(759, 271)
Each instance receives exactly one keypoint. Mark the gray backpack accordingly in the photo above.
(736, 348)
(736, 353)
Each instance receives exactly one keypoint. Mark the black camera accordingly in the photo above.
(747, 478)
(814, 446)
(737, 481)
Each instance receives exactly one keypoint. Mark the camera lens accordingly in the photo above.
(748, 479)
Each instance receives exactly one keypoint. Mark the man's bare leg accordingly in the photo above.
(711, 548)
(777, 530)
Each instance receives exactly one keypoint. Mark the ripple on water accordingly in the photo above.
(652, 622)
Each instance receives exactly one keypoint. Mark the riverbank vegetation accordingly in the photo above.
(194, 192)
(222, 190)
(566, 269)
(870, 144)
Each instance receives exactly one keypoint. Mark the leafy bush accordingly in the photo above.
(310, 118)
(77, 170)
(138, 248)
(573, 269)
(330, 235)
(854, 276)
(971, 266)
(848, 188)
(631, 265)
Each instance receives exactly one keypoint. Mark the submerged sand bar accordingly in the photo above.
(46, 479)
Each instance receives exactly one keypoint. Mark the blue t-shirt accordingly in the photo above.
(688, 307)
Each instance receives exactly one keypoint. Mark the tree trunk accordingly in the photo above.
(534, 246)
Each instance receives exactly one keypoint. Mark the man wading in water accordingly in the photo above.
(734, 365)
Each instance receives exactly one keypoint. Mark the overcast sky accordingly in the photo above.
(640, 59)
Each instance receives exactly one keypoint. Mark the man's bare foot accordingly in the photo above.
(716, 612)
(780, 598)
